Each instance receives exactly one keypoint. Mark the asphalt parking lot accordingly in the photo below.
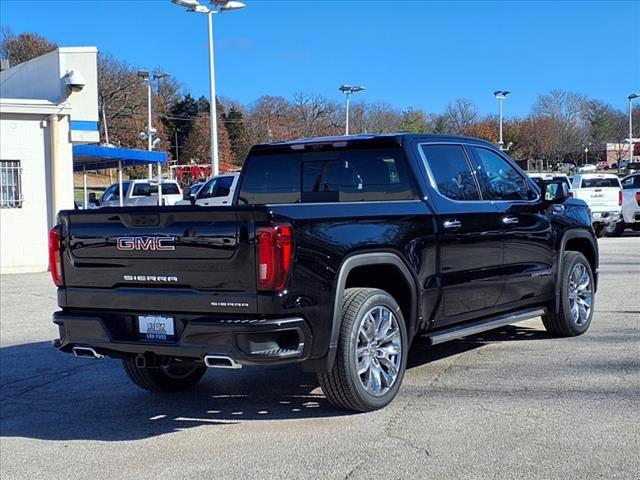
(508, 404)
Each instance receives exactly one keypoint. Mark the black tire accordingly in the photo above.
(598, 229)
(562, 323)
(343, 386)
(173, 378)
(616, 229)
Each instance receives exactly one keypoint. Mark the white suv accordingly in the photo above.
(138, 193)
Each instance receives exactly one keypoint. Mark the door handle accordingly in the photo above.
(452, 224)
(510, 220)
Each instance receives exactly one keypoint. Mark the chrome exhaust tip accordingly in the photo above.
(220, 361)
(86, 352)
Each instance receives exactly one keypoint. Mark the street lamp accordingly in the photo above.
(501, 95)
(151, 132)
(348, 90)
(631, 97)
(218, 6)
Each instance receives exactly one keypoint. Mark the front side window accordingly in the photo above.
(498, 179)
(170, 189)
(113, 193)
(10, 184)
(451, 171)
(224, 187)
(208, 189)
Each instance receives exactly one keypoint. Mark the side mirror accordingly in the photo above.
(93, 199)
(192, 199)
(555, 192)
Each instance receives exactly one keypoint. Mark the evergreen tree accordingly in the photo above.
(234, 122)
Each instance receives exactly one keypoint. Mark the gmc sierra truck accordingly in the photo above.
(335, 254)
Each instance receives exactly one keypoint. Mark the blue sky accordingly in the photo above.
(407, 53)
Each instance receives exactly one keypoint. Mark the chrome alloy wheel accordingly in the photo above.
(378, 350)
(580, 294)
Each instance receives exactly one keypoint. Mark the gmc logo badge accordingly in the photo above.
(145, 243)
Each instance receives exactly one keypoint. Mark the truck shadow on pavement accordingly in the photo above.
(49, 395)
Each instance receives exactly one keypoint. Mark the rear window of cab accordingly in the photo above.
(349, 175)
(600, 183)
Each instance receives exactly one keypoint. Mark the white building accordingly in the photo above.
(47, 105)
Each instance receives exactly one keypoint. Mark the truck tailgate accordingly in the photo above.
(174, 247)
(600, 199)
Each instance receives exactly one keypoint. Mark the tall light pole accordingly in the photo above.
(348, 90)
(631, 97)
(218, 6)
(151, 132)
(501, 95)
(148, 134)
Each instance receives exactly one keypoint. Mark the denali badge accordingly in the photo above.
(149, 278)
(145, 243)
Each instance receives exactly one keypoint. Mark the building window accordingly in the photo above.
(10, 184)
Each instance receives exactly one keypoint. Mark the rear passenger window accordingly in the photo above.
(498, 179)
(170, 189)
(451, 171)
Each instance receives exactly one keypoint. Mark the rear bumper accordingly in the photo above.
(606, 217)
(247, 341)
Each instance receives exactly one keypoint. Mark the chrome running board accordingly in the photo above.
(466, 329)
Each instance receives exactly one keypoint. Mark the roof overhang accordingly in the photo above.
(33, 107)
(95, 157)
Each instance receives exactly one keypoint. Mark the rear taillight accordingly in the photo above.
(619, 198)
(638, 198)
(570, 195)
(55, 261)
(275, 249)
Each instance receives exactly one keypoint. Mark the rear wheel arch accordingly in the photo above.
(353, 273)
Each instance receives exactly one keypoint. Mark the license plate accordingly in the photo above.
(156, 327)
(597, 215)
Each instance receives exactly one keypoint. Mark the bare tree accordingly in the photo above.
(314, 115)
(21, 48)
(566, 111)
(461, 113)
(381, 117)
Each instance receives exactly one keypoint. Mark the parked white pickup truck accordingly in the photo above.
(603, 194)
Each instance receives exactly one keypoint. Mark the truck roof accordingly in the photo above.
(384, 139)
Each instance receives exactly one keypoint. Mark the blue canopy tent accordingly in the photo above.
(96, 157)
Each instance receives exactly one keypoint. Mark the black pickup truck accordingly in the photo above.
(336, 254)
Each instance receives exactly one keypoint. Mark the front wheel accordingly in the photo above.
(615, 229)
(576, 298)
(372, 352)
(169, 378)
